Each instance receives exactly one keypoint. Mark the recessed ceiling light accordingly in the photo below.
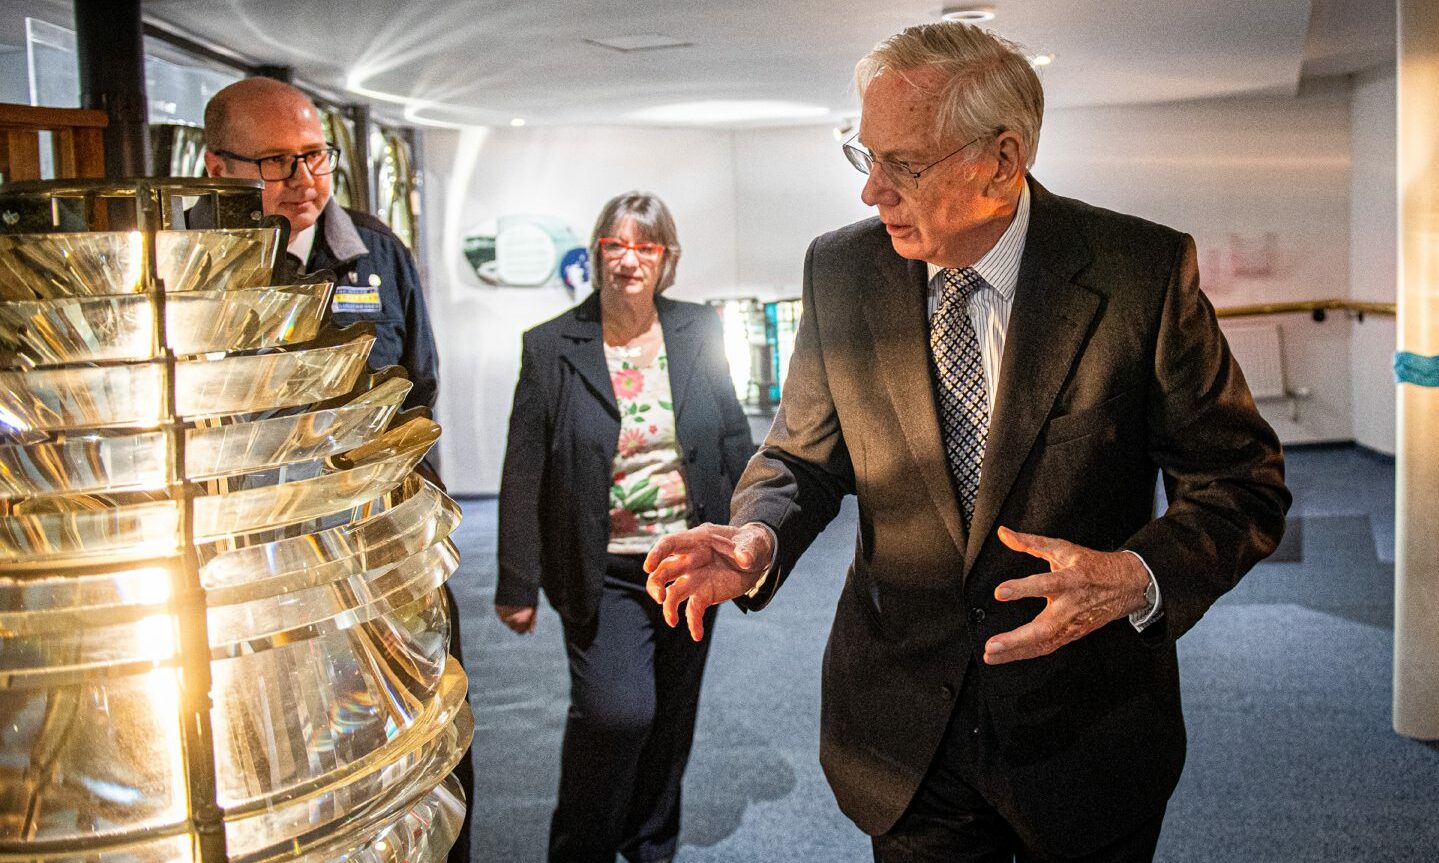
(518, 121)
(719, 111)
(968, 14)
(639, 42)
(1041, 59)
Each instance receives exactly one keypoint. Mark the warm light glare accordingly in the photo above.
(134, 267)
(1041, 59)
(518, 121)
(162, 692)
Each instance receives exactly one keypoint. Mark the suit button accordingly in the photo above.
(947, 692)
(700, 510)
(691, 455)
(976, 615)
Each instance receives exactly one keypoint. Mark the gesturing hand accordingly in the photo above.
(705, 566)
(1085, 590)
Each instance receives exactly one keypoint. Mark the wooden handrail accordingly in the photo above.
(1308, 306)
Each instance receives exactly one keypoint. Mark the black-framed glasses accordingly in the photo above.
(283, 166)
(898, 169)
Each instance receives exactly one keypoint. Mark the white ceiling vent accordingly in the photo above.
(640, 42)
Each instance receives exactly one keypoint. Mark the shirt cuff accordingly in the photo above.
(754, 592)
(1142, 618)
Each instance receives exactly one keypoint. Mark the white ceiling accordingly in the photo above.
(469, 61)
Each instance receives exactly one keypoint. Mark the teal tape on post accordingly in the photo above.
(1415, 369)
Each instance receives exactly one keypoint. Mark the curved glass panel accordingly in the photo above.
(129, 395)
(377, 467)
(97, 757)
(47, 650)
(46, 266)
(312, 553)
(391, 528)
(421, 833)
(93, 462)
(77, 529)
(387, 531)
(305, 735)
(101, 329)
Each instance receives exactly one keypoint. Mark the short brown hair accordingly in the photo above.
(652, 220)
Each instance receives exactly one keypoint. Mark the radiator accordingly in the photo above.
(1256, 345)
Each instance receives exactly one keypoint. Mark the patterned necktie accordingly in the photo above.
(959, 380)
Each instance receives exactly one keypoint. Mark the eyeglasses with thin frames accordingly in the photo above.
(283, 166)
(864, 161)
(614, 248)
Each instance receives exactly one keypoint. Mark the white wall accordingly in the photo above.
(749, 202)
(1212, 168)
(1242, 167)
(1373, 256)
(478, 175)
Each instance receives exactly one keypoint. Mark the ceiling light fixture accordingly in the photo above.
(1041, 59)
(628, 44)
(517, 122)
(968, 14)
(720, 112)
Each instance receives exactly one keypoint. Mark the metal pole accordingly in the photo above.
(111, 54)
(367, 190)
(279, 73)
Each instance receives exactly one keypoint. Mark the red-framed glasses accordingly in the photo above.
(615, 248)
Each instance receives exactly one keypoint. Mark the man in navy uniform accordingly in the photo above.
(264, 129)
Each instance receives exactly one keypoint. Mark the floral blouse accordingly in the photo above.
(647, 488)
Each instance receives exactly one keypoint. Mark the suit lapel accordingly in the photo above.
(583, 349)
(681, 349)
(898, 319)
(1048, 324)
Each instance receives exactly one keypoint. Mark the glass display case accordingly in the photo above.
(758, 339)
(222, 636)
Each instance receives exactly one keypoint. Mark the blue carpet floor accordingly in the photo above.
(1286, 688)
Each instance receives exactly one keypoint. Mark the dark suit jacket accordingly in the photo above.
(564, 431)
(1114, 368)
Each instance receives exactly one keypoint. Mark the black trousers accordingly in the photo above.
(634, 694)
(964, 811)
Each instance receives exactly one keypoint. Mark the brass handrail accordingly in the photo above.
(1308, 306)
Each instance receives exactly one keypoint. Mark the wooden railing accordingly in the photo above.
(76, 141)
(1314, 307)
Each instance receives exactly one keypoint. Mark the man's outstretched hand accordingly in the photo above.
(1085, 590)
(705, 566)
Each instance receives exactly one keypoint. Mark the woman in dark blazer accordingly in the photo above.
(625, 426)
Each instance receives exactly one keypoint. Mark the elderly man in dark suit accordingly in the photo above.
(999, 374)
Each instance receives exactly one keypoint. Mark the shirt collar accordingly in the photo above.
(301, 244)
(999, 267)
(340, 235)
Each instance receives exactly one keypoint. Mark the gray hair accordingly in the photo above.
(990, 85)
(652, 220)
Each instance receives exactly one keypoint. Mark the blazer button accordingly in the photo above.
(691, 455)
(947, 692)
(700, 510)
(976, 615)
